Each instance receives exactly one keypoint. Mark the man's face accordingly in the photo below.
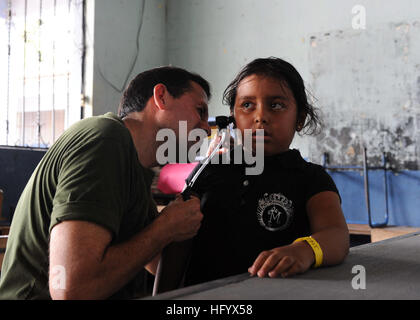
(191, 107)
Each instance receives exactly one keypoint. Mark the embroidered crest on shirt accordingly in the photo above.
(274, 211)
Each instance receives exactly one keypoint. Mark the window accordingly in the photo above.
(41, 62)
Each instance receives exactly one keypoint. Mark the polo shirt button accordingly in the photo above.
(246, 183)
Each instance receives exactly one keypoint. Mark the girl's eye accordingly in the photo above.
(278, 105)
(246, 105)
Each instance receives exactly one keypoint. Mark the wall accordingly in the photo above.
(362, 79)
(112, 29)
(365, 81)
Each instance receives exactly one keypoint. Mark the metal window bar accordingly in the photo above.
(68, 70)
(38, 118)
(9, 51)
(365, 168)
(82, 84)
(53, 78)
(25, 38)
(26, 83)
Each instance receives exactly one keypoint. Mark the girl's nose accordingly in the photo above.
(260, 115)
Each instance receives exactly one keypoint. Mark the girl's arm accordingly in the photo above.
(329, 229)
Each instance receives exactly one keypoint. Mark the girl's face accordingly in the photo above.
(267, 103)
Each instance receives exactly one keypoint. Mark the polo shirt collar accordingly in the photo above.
(288, 159)
(291, 159)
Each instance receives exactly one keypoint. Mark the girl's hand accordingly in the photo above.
(285, 261)
(329, 227)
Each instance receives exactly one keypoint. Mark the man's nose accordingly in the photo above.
(205, 126)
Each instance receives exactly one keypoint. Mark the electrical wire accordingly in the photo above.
(120, 90)
(83, 62)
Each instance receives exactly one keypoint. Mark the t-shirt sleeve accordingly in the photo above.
(320, 181)
(91, 184)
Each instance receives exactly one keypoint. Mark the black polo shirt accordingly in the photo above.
(246, 214)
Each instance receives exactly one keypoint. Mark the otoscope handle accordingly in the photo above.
(186, 194)
(222, 123)
(174, 258)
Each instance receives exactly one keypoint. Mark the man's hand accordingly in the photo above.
(95, 270)
(225, 147)
(285, 261)
(182, 218)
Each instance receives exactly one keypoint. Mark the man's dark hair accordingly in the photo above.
(279, 69)
(140, 89)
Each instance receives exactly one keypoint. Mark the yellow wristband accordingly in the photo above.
(316, 249)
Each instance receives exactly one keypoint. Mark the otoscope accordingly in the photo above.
(222, 123)
(174, 258)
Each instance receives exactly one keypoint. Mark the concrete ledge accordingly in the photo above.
(391, 271)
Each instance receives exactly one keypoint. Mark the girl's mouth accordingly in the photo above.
(265, 135)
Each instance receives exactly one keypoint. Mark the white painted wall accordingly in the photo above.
(112, 33)
(217, 37)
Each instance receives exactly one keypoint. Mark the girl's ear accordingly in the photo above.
(300, 122)
(232, 114)
(159, 96)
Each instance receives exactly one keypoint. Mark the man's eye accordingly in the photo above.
(246, 105)
(200, 112)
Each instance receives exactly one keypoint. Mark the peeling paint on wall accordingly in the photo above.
(367, 84)
(344, 142)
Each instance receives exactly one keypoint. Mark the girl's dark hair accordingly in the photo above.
(140, 89)
(278, 69)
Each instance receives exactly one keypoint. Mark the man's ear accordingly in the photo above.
(160, 94)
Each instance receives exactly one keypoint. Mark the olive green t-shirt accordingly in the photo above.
(92, 173)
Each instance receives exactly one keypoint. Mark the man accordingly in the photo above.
(86, 225)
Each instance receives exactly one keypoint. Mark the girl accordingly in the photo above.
(288, 218)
